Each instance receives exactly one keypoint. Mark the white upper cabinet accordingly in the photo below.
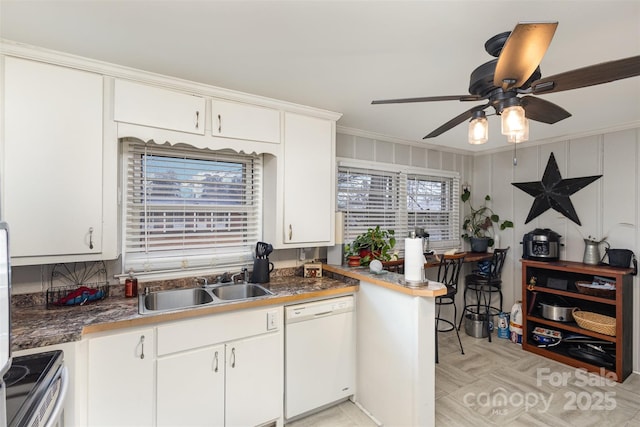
(157, 107)
(243, 121)
(305, 198)
(53, 196)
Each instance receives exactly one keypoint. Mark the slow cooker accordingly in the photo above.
(541, 244)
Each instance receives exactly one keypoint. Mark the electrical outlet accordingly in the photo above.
(303, 256)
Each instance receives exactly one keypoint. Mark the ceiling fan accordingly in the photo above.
(516, 71)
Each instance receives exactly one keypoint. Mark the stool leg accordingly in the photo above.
(487, 308)
(464, 310)
(455, 310)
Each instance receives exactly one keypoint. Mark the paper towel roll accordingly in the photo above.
(413, 260)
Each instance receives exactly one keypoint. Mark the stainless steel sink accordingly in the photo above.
(240, 291)
(174, 299)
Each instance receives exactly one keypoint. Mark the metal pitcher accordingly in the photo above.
(592, 251)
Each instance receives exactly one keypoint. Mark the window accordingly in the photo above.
(399, 201)
(189, 209)
(432, 204)
(369, 198)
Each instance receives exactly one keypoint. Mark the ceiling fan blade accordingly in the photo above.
(455, 121)
(543, 111)
(522, 53)
(604, 72)
(428, 99)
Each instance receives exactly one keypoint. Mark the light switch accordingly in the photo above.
(272, 320)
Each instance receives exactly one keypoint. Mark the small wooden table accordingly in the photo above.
(433, 262)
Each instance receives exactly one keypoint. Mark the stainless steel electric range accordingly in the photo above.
(36, 385)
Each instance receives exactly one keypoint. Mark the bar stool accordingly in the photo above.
(484, 285)
(448, 273)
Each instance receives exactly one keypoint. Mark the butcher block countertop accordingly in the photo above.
(33, 325)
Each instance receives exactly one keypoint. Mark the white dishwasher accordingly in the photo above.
(319, 354)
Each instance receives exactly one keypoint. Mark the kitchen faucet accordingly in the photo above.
(243, 273)
(204, 281)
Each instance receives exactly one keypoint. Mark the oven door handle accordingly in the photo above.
(57, 409)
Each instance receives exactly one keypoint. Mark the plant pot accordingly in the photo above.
(479, 244)
(353, 261)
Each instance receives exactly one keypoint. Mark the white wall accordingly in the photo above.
(601, 206)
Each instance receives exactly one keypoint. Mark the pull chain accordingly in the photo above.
(515, 159)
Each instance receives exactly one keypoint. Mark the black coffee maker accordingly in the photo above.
(262, 267)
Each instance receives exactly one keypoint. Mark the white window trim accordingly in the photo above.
(456, 243)
(215, 263)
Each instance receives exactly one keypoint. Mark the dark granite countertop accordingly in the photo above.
(36, 326)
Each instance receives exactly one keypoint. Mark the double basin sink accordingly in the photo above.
(176, 299)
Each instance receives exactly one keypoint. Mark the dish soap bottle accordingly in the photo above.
(131, 286)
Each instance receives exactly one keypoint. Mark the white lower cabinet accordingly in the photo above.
(121, 379)
(217, 370)
(254, 381)
(191, 388)
(221, 370)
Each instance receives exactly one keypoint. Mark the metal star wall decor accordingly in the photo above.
(553, 192)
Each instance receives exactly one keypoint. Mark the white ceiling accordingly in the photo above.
(340, 55)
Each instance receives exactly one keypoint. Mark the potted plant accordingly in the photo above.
(478, 223)
(375, 243)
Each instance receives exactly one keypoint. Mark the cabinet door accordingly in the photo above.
(52, 159)
(121, 379)
(244, 121)
(191, 388)
(309, 171)
(161, 108)
(255, 377)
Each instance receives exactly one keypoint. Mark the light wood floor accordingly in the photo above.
(498, 384)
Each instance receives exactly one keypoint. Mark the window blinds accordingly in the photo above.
(189, 208)
(433, 204)
(370, 198)
(401, 202)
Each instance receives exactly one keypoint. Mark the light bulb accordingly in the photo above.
(513, 120)
(478, 129)
(521, 136)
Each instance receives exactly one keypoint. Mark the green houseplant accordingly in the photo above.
(375, 243)
(478, 223)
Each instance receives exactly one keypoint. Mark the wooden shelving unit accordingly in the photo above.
(620, 307)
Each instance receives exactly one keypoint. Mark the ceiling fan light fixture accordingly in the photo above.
(513, 120)
(518, 137)
(478, 128)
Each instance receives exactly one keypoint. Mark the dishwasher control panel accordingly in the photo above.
(297, 313)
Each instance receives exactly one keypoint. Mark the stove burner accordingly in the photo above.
(15, 374)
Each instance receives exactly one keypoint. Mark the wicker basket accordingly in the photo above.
(583, 288)
(595, 322)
